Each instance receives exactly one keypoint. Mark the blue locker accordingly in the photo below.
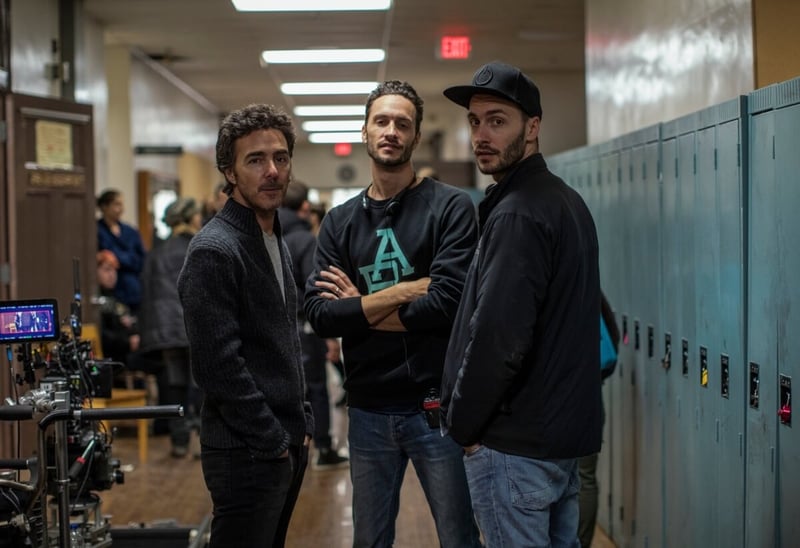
(676, 182)
(614, 282)
(623, 519)
(787, 174)
(706, 248)
(729, 369)
(643, 249)
(763, 305)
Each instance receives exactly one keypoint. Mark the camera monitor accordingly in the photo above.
(28, 321)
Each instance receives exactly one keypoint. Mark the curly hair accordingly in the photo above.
(245, 121)
(403, 89)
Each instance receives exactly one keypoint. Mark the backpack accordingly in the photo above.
(608, 355)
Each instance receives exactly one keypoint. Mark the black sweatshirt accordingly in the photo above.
(432, 232)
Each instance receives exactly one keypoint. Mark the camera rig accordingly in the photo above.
(42, 495)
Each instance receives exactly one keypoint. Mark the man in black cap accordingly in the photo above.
(521, 386)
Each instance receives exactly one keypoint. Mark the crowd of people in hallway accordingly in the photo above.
(466, 338)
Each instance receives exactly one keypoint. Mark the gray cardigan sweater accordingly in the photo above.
(245, 350)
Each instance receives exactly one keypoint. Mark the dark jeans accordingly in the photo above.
(587, 498)
(253, 499)
(380, 447)
(314, 350)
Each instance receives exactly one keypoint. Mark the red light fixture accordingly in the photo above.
(342, 149)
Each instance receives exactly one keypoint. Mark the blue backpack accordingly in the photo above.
(608, 356)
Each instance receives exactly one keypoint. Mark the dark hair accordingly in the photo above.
(296, 196)
(245, 121)
(396, 87)
(107, 196)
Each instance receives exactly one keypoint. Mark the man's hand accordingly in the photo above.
(337, 284)
(469, 451)
(378, 306)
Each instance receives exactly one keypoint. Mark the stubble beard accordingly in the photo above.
(404, 158)
(508, 157)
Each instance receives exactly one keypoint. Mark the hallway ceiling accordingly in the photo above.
(216, 50)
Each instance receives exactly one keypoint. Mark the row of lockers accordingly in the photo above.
(696, 219)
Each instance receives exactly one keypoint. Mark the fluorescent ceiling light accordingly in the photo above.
(328, 88)
(339, 137)
(332, 125)
(323, 56)
(312, 5)
(330, 110)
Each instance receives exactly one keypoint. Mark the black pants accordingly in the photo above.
(314, 350)
(253, 499)
(176, 386)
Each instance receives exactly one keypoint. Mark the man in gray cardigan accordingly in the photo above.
(239, 305)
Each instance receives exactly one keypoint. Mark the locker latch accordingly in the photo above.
(666, 361)
(785, 412)
(754, 382)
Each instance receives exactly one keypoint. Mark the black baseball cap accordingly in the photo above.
(504, 81)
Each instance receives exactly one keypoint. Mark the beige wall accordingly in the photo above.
(197, 175)
(119, 151)
(649, 60)
(777, 47)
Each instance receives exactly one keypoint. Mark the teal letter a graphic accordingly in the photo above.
(390, 263)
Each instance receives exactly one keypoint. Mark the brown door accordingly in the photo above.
(51, 204)
(47, 217)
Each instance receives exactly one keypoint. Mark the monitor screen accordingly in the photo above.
(28, 321)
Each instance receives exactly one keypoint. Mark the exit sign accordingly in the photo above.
(455, 47)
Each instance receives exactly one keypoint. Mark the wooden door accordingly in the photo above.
(47, 218)
(51, 203)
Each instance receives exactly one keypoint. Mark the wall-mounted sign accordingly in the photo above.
(53, 145)
(455, 47)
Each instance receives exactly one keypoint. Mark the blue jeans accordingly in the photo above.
(253, 499)
(380, 447)
(521, 501)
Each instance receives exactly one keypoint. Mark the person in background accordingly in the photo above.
(239, 306)
(302, 243)
(587, 466)
(315, 216)
(521, 387)
(161, 325)
(125, 242)
(119, 336)
(334, 354)
(214, 203)
(389, 269)
(428, 171)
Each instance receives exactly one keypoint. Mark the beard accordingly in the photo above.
(508, 157)
(375, 154)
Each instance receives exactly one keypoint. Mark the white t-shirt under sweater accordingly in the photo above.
(271, 241)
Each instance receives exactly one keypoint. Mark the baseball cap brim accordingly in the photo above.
(462, 95)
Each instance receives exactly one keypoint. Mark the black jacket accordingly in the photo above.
(161, 315)
(522, 374)
(301, 243)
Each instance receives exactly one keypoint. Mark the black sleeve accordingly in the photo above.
(454, 251)
(338, 318)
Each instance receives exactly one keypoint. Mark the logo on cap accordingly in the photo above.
(484, 76)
